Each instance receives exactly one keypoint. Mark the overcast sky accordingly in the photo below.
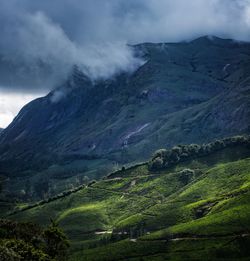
(40, 41)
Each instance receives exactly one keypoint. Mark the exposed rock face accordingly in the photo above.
(184, 93)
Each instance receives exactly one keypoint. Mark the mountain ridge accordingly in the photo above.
(184, 93)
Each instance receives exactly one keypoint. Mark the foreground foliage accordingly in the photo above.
(28, 241)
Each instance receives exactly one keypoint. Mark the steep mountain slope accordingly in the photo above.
(197, 207)
(184, 93)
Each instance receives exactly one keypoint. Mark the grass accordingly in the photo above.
(155, 208)
(122, 250)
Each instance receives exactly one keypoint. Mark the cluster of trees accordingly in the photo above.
(164, 158)
(28, 241)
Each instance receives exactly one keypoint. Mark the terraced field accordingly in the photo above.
(197, 209)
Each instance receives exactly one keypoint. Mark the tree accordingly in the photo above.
(156, 164)
(28, 241)
(57, 243)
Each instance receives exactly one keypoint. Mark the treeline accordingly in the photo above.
(164, 158)
(123, 171)
(28, 241)
(58, 196)
(50, 199)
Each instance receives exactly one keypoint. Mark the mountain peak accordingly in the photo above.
(212, 39)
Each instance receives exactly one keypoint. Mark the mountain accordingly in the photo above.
(188, 92)
(195, 206)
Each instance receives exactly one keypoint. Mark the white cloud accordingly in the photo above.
(46, 52)
(43, 39)
(11, 104)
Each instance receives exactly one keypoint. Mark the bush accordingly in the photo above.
(186, 175)
(161, 153)
(157, 163)
(25, 251)
(7, 254)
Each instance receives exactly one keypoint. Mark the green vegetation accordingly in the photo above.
(28, 241)
(188, 210)
(165, 158)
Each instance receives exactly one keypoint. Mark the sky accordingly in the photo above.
(41, 40)
(10, 104)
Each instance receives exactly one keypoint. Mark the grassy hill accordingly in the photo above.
(196, 208)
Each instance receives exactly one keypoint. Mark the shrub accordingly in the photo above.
(186, 175)
(157, 163)
(7, 254)
(91, 183)
(161, 153)
(19, 248)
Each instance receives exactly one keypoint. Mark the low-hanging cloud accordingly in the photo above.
(41, 40)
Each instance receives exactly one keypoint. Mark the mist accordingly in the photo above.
(41, 40)
(11, 103)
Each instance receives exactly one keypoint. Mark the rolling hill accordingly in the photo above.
(188, 92)
(194, 204)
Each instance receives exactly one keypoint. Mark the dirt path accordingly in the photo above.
(199, 237)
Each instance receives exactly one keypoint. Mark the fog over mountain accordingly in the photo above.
(44, 39)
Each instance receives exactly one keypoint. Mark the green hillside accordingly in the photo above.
(191, 206)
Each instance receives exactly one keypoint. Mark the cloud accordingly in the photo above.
(41, 40)
(10, 104)
(41, 50)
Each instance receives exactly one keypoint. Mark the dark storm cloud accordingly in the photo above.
(41, 40)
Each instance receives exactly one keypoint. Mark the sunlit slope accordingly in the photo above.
(195, 207)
